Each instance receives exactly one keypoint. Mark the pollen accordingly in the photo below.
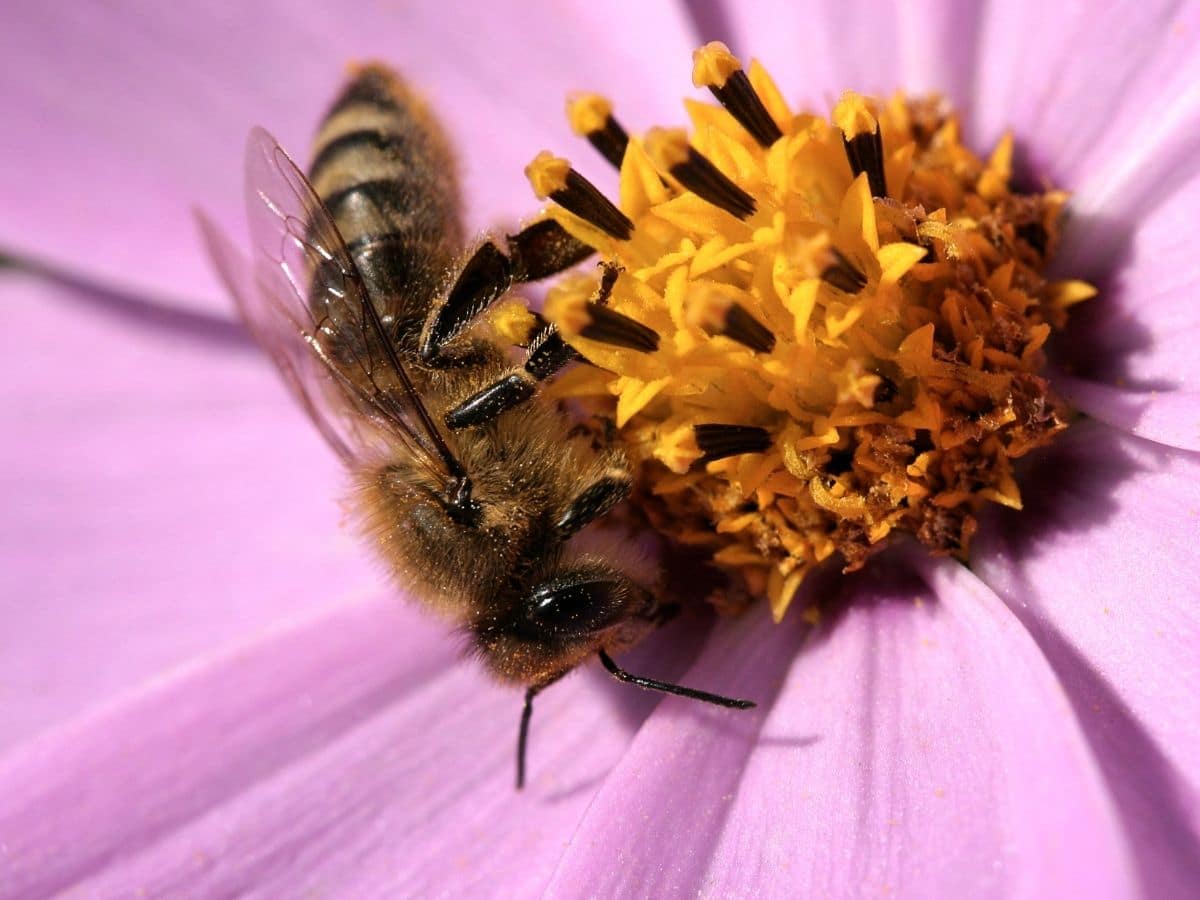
(815, 332)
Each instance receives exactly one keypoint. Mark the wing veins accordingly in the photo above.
(304, 300)
(333, 250)
(371, 323)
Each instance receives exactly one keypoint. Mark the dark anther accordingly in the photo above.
(610, 141)
(591, 116)
(742, 327)
(719, 441)
(584, 199)
(548, 352)
(886, 391)
(843, 274)
(611, 327)
(738, 96)
(865, 153)
(1034, 234)
(701, 177)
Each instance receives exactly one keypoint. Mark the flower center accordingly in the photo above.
(810, 333)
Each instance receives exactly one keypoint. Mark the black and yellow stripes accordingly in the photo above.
(384, 170)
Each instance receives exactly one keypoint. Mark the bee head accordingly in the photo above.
(564, 616)
(573, 607)
(573, 610)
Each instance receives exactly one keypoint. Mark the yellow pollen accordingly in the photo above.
(587, 113)
(712, 65)
(822, 359)
(547, 174)
(853, 116)
(668, 147)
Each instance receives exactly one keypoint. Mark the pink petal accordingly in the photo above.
(117, 123)
(1170, 417)
(818, 48)
(906, 748)
(350, 754)
(1102, 101)
(162, 495)
(1101, 567)
(1132, 349)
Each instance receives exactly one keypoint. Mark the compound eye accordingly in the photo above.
(576, 607)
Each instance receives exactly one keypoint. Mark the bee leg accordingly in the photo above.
(594, 502)
(526, 714)
(547, 353)
(666, 687)
(484, 406)
(536, 252)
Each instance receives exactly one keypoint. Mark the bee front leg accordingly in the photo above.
(594, 502)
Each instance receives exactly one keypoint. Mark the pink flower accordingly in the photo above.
(207, 691)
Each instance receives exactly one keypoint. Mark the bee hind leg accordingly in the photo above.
(539, 251)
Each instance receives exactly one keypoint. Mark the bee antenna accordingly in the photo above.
(620, 674)
(666, 687)
(526, 714)
(523, 734)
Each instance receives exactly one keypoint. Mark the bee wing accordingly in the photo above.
(304, 301)
(281, 341)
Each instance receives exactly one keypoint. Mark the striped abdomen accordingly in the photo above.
(384, 170)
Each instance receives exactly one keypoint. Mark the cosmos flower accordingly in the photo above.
(206, 691)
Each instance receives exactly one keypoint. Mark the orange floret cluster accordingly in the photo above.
(883, 330)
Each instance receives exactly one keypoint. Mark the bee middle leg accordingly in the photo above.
(547, 353)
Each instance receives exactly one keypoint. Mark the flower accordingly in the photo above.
(205, 691)
(808, 335)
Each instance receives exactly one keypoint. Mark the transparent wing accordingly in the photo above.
(304, 301)
(286, 348)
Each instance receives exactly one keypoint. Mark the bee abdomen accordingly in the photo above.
(383, 168)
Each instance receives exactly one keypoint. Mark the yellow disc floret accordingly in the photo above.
(713, 64)
(848, 315)
(587, 113)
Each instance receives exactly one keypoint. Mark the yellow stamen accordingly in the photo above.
(547, 174)
(853, 117)
(668, 147)
(712, 65)
(866, 338)
(588, 113)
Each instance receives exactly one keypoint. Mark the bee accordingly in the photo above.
(360, 290)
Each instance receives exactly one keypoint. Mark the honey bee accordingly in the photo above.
(360, 291)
